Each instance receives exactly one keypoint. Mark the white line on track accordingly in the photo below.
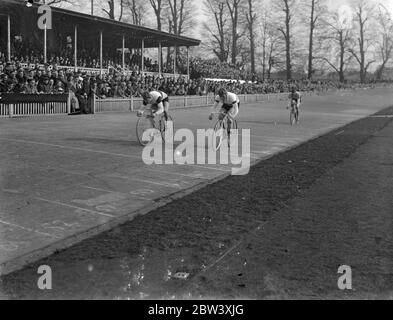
(167, 185)
(75, 207)
(108, 191)
(71, 148)
(382, 116)
(178, 174)
(28, 229)
(209, 168)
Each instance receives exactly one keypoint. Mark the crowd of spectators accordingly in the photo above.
(52, 79)
(25, 52)
(210, 68)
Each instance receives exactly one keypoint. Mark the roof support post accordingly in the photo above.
(174, 60)
(143, 55)
(101, 55)
(9, 38)
(123, 58)
(45, 45)
(159, 58)
(76, 48)
(188, 62)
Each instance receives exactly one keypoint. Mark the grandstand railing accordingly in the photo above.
(97, 71)
(16, 105)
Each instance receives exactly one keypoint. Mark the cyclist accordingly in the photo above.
(295, 96)
(158, 102)
(227, 103)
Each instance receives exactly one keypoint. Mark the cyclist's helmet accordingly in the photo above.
(146, 97)
(222, 93)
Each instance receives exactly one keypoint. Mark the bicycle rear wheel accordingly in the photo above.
(142, 126)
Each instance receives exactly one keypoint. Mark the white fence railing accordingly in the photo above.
(14, 105)
(33, 109)
(49, 106)
(183, 102)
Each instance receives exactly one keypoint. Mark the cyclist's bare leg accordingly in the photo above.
(166, 110)
(232, 114)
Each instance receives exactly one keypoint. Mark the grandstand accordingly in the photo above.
(82, 38)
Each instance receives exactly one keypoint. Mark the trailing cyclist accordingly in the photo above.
(296, 97)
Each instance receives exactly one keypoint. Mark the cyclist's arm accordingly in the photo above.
(217, 106)
(145, 106)
(235, 110)
(160, 109)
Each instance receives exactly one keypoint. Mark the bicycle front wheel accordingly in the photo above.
(233, 126)
(164, 128)
(144, 124)
(292, 118)
(219, 134)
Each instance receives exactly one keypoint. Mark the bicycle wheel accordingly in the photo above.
(219, 134)
(163, 126)
(142, 126)
(292, 118)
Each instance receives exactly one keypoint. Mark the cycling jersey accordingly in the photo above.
(159, 102)
(230, 104)
(157, 97)
(295, 96)
(230, 99)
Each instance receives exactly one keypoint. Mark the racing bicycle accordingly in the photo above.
(294, 115)
(222, 130)
(147, 121)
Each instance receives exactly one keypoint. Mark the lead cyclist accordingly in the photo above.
(158, 102)
(227, 103)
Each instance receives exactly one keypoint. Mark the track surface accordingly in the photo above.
(60, 177)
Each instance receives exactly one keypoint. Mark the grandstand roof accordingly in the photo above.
(90, 26)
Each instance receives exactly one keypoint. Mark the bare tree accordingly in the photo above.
(235, 7)
(180, 13)
(138, 9)
(158, 7)
(385, 45)
(111, 9)
(316, 10)
(338, 39)
(219, 41)
(363, 14)
(286, 7)
(251, 19)
(269, 44)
